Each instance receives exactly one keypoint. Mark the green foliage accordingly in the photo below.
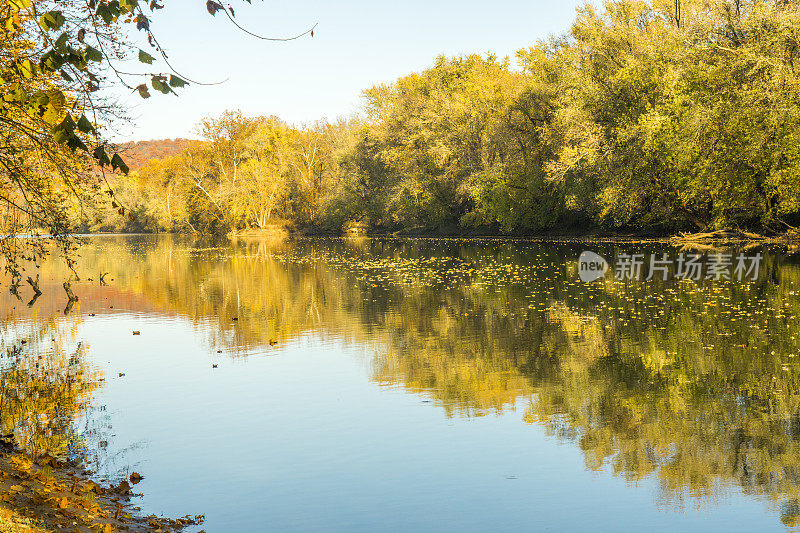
(636, 118)
(657, 115)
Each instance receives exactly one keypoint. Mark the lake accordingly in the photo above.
(418, 384)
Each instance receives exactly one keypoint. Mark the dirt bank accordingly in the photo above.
(50, 496)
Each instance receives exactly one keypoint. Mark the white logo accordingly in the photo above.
(591, 267)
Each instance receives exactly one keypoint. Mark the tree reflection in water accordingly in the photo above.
(46, 385)
(695, 384)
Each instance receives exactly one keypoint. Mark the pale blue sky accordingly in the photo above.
(357, 44)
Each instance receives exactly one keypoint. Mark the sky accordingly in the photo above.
(357, 44)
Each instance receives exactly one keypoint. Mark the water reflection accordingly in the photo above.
(45, 386)
(694, 384)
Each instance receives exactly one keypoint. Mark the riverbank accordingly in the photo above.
(700, 240)
(45, 495)
(711, 239)
(12, 522)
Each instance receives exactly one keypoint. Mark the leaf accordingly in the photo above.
(41, 98)
(143, 91)
(61, 136)
(52, 20)
(12, 22)
(76, 59)
(74, 142)
(123, 488)
(55, 106)
(142, 23)
(61, 41)
(213, 7)
(118, 164)
(159, 83)
(81, 34)
(93, 54)
(144, 57)
(27, 69)
(84, 125)
(51, 61)
(100, 155)
(67, 124)
(128, 5)
(175, 81)
(104, 12)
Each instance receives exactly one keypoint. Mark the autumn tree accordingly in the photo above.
(57, 60)
(265, 174)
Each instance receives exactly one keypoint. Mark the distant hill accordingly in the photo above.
(137, 154)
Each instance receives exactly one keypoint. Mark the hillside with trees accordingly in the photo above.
(139, 153)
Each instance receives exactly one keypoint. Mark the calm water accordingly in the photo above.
(414, 384)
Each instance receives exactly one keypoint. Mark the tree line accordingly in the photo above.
(656, 116)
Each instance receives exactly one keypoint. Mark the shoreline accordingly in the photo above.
(708, 239)
(43, 495)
